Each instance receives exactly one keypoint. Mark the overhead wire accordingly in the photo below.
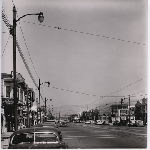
(5, 19)
(116, 101)
(5, 46)
(28, 50)
(81, 32)
(109, 95)
(8, 24)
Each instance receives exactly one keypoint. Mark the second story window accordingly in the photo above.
(8, 91)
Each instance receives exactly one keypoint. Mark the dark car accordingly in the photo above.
(63, 124)
(122, 123)
(37, 138)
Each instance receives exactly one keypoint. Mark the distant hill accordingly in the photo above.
(66, 110)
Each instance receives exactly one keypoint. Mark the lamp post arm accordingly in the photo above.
(28, 15)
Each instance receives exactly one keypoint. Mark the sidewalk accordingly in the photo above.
(5, 139)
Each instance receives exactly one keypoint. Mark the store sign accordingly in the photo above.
(7, 101)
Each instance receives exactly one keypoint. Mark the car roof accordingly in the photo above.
(38, 129)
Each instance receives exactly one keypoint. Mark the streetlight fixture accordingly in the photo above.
(40, 94)
(13, 32)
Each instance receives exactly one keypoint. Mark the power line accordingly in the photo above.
(122, 88)
(116, 101)
(90, 34)
(28, 50)
(5, 19)
(109, 95)
(5, 46)
(25, 63)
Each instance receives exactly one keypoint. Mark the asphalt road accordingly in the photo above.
(90, 136)
(80, 135)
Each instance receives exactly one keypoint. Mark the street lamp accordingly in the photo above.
(13, 32)
(40, 94)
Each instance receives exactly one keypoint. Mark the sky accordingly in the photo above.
(87, 49)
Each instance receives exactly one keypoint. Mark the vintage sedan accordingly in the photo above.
(87, 122)
(63, 124)
(98, 122)
(37, 138)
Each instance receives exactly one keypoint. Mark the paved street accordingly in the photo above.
(80, 135)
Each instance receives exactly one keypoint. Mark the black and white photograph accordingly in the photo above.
(74, 74)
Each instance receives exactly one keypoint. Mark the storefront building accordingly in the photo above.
(7, 101)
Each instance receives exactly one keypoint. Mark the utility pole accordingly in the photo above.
(27, 109)
(39, 100)
(14, 70)
(40, 95)
(129, 108)
(13, 32)
(121, 102)
(37, 110)
(45, 108)
(59, 115)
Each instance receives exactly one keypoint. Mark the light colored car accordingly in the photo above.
(98, 122)
(139, 123)
(136, 123)
(87, 122)
(92, 121)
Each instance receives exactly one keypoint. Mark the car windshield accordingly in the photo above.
(40, 137)
(23, 138)
(45, 137)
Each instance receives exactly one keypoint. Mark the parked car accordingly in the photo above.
(105, 122)
(115, 122)
(139, 123)
(136, 123)
(37, 138)
(67, 121)
(77, 121)
(92, 121)
(122, 123)
(87, 122)
(98, 122)
(63, 124)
